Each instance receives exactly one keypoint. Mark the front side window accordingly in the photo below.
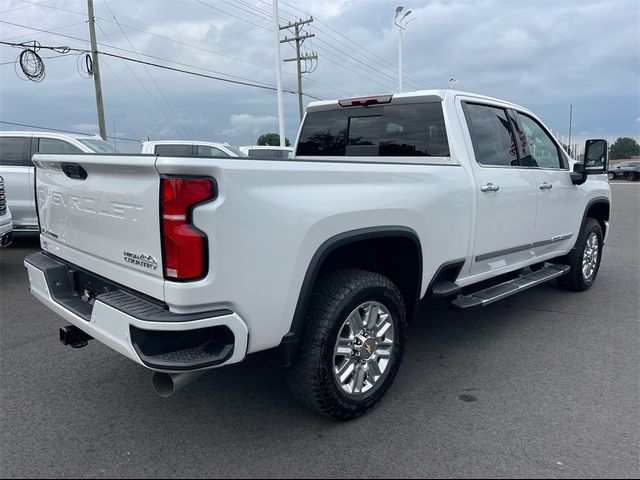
(98, 145)
(492, 136)
(208, 151)
(15, 151)
(540, 150)
(53, 145)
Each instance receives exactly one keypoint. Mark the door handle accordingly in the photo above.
(546, 186)
(490, 187)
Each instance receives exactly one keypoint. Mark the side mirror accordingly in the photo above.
(596, 158)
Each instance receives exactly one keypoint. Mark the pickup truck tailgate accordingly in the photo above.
(101, 213)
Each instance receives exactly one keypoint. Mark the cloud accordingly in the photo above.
(533, 53)
(245, 123)
(89, 128)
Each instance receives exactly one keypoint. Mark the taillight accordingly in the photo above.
(184, 247)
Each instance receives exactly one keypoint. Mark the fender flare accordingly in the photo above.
(290, 341)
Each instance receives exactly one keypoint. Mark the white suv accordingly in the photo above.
(16, 150)
(186, 148)
(6, 224)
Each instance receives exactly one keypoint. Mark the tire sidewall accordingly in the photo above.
(393, 303)
(591, 228)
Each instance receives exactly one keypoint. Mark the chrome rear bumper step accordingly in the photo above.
(490, 295)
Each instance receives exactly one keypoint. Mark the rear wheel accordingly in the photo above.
(631, 176)
(584, 259)
(352, 345)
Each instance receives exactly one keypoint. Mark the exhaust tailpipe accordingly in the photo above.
(166, 384)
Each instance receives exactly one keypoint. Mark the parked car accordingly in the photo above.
(16, 150)
(6, 224)
(182, 148)
(627, 170)
(320, 261)
(261, 151)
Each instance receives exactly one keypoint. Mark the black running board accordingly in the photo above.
(489, 295)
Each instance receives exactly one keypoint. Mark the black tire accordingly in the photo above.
(575, 280)
(335, 296)
(631, 176)
(612, 176)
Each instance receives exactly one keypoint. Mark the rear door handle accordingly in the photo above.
(490, 187)
(546, 186)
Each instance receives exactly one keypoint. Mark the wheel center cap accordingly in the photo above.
(368, 349)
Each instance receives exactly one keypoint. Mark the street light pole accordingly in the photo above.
(276, 26)
(401, 23)
(400, 61)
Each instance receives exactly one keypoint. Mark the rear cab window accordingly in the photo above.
(169, 150)
(407, 129)
(15, 151)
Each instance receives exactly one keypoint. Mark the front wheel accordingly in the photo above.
(352, 345)
(612, 176)
(584, 259)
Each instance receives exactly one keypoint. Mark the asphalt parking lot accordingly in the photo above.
(544, 384)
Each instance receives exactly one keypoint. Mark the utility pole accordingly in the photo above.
(276, 25)
(299, 39)
(96, 71)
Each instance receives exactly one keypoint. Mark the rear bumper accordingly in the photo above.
(136, 327)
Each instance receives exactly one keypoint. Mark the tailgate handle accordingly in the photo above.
(73, 170)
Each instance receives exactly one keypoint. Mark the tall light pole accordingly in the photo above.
(276, 27)
(401, 22)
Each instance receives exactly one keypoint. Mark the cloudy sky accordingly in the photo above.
(543, 54)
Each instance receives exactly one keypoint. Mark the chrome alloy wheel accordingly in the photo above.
(590, 256)
(363, 350)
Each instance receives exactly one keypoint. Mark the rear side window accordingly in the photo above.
(324, 134)
(175, 150)
(15, 151)
(208, 151)
(53, 145)
(415, 130)
(274, 154)
(492, 136)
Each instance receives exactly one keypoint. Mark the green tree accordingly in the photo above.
(272, 139)
(623, 148)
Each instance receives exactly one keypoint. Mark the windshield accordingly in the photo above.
(98, 145)
(236, 151)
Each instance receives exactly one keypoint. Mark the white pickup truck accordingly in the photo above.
(183, 265)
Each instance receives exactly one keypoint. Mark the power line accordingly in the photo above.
(62, 131)
(231, 14)
(26, 6)
(201, 74)
(151, 77)
(133, 95)
(415, 80)
(42, 58)
(245, 82)
(53, 29)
